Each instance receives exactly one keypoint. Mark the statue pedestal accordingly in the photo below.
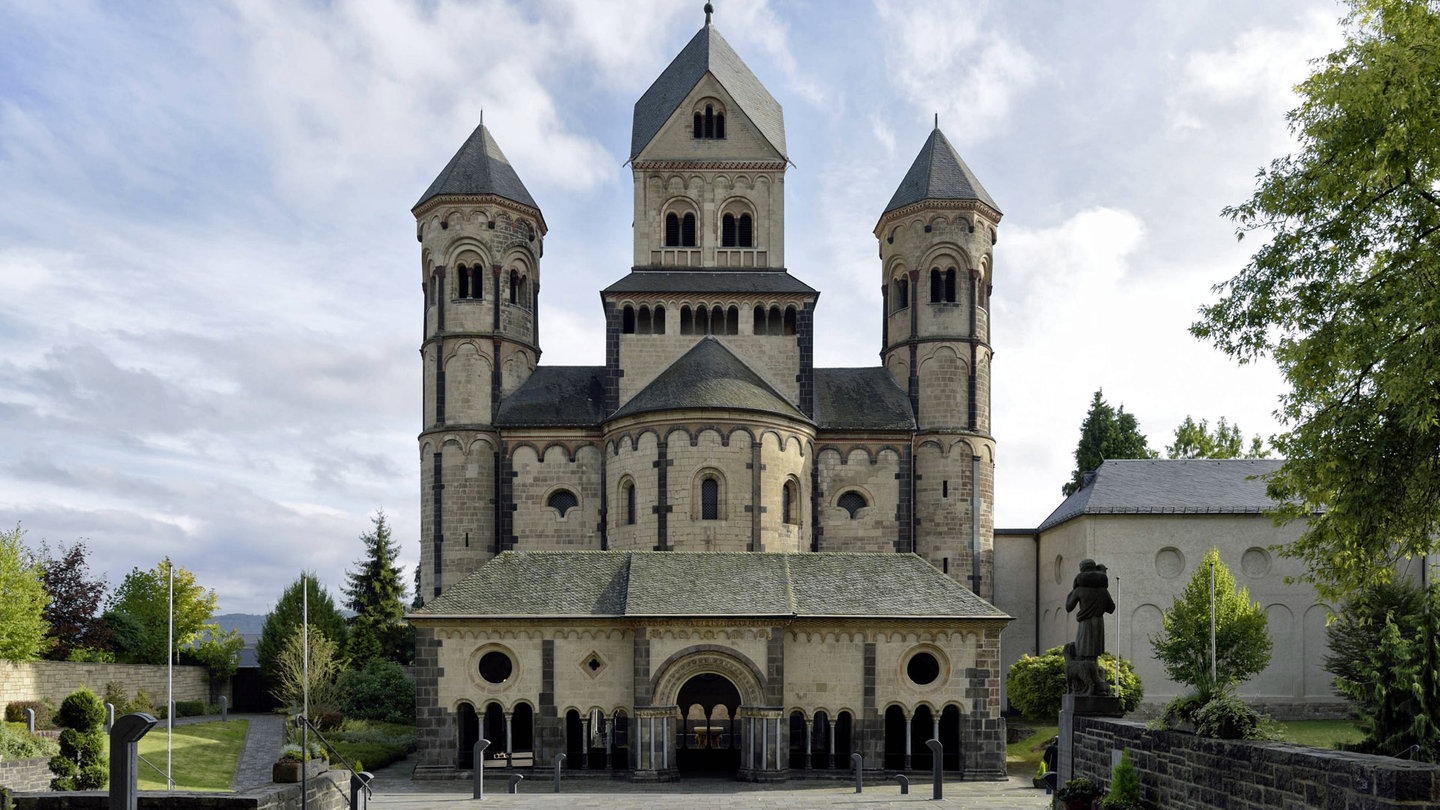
(1079, 705)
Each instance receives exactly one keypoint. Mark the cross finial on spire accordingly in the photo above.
(937, 120)
(709, 9)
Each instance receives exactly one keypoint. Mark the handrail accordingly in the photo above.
(334, 754)
(168, 781)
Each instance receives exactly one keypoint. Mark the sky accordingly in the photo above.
(210, 303)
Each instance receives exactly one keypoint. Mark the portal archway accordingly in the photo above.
(708, 704)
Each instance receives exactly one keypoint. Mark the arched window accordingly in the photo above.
(659, 320)
(720, 126)
(950, 285)
(687, 321)
(902, 293)
(687, 230)
(727, 231)
(709, 123)
(514, 287)
(717, 321)
(463, 280)
(672, 229)
(790, 320)
(937, 286)
(699, 124)
(642, 325)
(776, 325)
(710, 498)
(745, 236)
(627, 320)
(627, 498)
(732, 321)
(852, 501)
(759, 327)
(562, 501)
(789, 502)
(702, 321)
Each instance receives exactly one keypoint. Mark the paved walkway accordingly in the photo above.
(263, 741)
(394, 790)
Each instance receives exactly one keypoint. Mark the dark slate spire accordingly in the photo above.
(709, 376)
(479, 168)
(938, 173)
(706, 52)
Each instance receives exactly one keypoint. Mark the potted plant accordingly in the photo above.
(1079, 793)
(1124, 786)
(294, 764)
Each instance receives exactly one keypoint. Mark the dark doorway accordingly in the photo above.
(843, 747)
(894, 738)
(922, 728)
(522, 736)
(620, 744)
(706, 742)
(469, 728)
(950, 738)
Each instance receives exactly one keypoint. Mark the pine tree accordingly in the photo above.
(285, 619)
(375, 591)
(1107, 432)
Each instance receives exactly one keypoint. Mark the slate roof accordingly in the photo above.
(710, 281)
(674, 583)
(556, 396)
(1170, 487)
(479, 168)
(938, 173)
(860, 399)
(709, 376)
(706, 52)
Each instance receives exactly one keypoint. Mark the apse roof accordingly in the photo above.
(479, 168)
(709, 376)
(1170, 487)
(706, 52)
(674, 583)
(938, 173)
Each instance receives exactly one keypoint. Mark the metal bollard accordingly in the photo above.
(224, 709)
(30, 720)
(559, 761)
(937, 753)
(515, 780)
(904, 783)
(859, 763)
(479, 757)
(359, 789)
(109, 717)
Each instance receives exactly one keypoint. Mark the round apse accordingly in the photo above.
(922, 669)
(495, 667)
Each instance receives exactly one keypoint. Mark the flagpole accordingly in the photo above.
(170, 681)
(1214, 680)
(305, 690)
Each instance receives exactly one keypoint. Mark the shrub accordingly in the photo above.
(143, 703)
(80, 765)
(116, 696)
(379, 690)
(1036, 684)
(1078, 788)
(1228, 718)
(1124, 786)
(16, 743)
(44, 713)
(189, 708)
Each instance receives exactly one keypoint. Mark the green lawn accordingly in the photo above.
(203, 755)
(1320, 733)
(1023, 758)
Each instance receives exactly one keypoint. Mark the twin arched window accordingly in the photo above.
(852, 501)
(774, 321)
(902, 293)
(643, 321)
(710, 124)
(679, 230)
(942, 285)
(519, 289)
(712, 321)
(562, 501)
(470, 282)
(737, 231)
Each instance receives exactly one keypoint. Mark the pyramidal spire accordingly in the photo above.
(479, 168)
(938, 173)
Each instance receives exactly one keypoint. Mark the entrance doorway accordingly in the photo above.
(707, 742)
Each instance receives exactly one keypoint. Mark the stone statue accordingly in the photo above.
(1091, 594)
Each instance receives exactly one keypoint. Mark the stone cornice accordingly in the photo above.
(444, 200)
(935, 205)
(709, 165)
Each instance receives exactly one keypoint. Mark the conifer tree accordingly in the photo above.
(375, 590)
(1107, 432)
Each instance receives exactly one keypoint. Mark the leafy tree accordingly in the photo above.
(323, 667)
(1036, 683)
(81, 763)
(217, 650)
(22, 599)
(379, 690)
(1198, 441)
(1107, 432)
(1385, 654)
(1342, 295)
(139, 612)
(285, 618)
(1242, 643)
(375, 590)
(75, 599)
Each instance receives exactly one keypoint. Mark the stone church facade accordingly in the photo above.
(707, 553)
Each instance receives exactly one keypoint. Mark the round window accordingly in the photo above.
(923, 668)
(495, 667)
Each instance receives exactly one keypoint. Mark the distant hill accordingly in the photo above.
(249, 624)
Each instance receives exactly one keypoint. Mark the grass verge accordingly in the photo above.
(1022, 758)
(203, 755)
(1320, 733)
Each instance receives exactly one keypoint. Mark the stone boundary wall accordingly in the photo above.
(1181, 771)
(54, 680)
(328, 791)
(25, 774)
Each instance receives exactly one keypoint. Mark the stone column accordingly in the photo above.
(908, 720)
(651, 739)
(509, 747)
(584, 741)
(764, 744)
(809, 742)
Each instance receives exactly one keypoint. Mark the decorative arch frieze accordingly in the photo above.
(707, 659)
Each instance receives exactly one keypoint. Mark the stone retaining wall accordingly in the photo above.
(328, 791)
(25, 774)
(54, 680)
(1181, 771)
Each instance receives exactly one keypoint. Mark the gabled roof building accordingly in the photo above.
(707, 554)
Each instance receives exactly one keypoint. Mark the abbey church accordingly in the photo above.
(707, 554)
